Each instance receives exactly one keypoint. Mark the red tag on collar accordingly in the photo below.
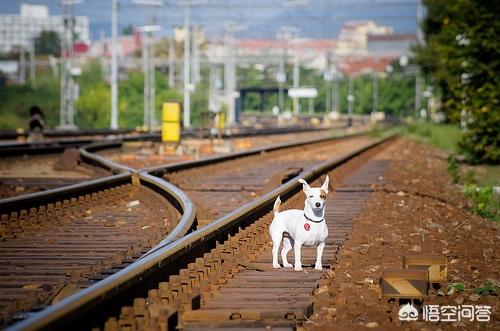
(307, 226)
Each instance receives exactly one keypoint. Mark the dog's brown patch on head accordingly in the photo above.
(322, 194)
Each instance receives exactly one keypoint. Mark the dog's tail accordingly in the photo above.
(277, 204)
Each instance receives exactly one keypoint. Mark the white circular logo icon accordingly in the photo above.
(408, 313)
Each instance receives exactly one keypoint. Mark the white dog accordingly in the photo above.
(301, 227)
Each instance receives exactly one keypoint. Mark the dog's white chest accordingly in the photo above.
(311, 233)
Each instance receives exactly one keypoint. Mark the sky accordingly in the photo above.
(255, 18)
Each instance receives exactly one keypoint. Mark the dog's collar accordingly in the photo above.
(310, 220)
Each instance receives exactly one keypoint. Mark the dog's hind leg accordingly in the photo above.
(276, 237)
(287, 246)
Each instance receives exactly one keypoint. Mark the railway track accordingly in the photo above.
(51, 243)
(39, 166)
(220, 188)
(178, 282)
(55, 243)
(34, 173)
(152, 154)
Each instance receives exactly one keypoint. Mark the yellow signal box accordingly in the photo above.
(171, 128)
(221, 120)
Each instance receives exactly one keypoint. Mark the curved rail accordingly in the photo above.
(83, 309)
(48, 147)
(101, 161)
(35, 199)
(118, 282)
(122, 175)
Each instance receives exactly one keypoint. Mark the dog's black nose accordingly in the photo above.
(318, 204)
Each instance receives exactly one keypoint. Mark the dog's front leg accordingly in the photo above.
(296, 249)
(319, 255)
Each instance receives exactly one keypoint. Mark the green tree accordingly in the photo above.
(128, 30)
(48, 42)
(131, 101)
(93, 107)
(462, 56)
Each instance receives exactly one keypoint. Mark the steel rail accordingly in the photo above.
(183, 165)
(87, 155)
(36, 199)
(91, 306)
(47, 147)
(122, 175)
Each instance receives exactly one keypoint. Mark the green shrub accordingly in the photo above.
(489, 288)
(486, 202)
(453, 168)
(460, 57)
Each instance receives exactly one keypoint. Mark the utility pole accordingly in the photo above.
(32, 61)
(152, 87)
(149, 66)
(417, 93)
(281, 76)
(114, 65)
(335, 92)
(22, 65)
(187, 87)
(146, 71)
(296, 77)
(328, 77)
(195, 74)
(171, 62)
(211, 87)
(68, 86)
(350, 107)
(375, 91)
(281, 81)
(420, 15)
(229, 71)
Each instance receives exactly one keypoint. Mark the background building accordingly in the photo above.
(16, 30)
(394, 45)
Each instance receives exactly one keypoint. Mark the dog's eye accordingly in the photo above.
(323, 197)
(310, 196)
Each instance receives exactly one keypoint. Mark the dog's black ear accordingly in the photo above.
(305, 186)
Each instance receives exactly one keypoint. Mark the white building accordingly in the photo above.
(353, 37)
(394, 45)
(21, 29)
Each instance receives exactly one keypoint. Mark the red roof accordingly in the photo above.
(392, 37)
(258, 44)
(359, 65)
(80, 47)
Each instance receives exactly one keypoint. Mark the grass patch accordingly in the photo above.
(439, 135)
(489, 288)
(337, 133)
(486, 202)
(488, 175)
